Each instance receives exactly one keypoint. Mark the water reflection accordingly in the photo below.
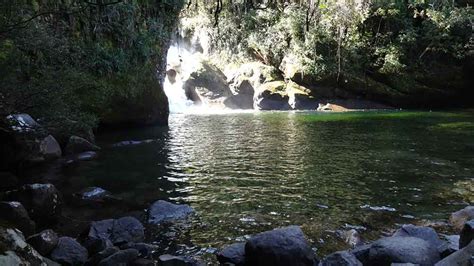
(248, 172)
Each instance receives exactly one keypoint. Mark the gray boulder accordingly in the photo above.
(42, 201)
(426, 233)
(69, 252)
(163, 211)
(450, 245)
(99, 256)
(397, 249)
(120, 231)
(14, 213)
(123, 257)
(340, 258)
(463, 257)
(16, 250)
(77, 144)
(282, 246)
(467, 234)
(44, 242)
(459, 218)
(234, 254)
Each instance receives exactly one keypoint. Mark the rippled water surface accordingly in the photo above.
(249, 172)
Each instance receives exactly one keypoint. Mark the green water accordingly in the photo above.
(248, 172)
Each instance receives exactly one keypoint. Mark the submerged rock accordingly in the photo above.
(459, 218)
(397, 249)
(170, 260)
(77, 144)
(44, 242)
(163, 211)
(15, 214)
(234, 254)
(69, 252)
(122, 257)
(95, 195)
(467, 234)
(99, 256)
(282, 246)
(340, 258)
(145, 250)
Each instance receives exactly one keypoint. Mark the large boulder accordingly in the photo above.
(15, 250)
(44, 242)
(32, 141)
(283, 246)
(207, 85)
(244, 81)
(77, 144)
(271, 96)
(459, 218)
(300, 97)
(69, 252)
(397, 249)
(463, 257)
(467, 234)
(234, 254)
(101, 234)
(15, 214)
(163, 211)
(426, 233)
(340, 258)
(42, 201)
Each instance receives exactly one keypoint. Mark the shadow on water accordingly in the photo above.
(249, 172)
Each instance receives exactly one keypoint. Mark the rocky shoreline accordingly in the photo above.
(31, 211)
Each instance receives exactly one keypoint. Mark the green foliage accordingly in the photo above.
(67, 62)
(334, 40)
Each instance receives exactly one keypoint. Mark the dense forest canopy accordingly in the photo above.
(74, 63)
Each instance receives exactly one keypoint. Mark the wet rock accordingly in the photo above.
(132, 142)
(340, 258)
(450, 245)
(69, 252)
(207, 84)
(461, 257)
(77, 144)
(145, 250)
(42, 201)
(467, 234)
(119, 231)
(44, 242)
(170, 260)
(397, 249)
(18, 252)
(99, 256)
(50, 148)
(234, 254)
(31, 142)
(15, 214)
(123, 257)
(282, 246)
(426, 233)
(163, 211)
(95, 195)
(459, 218)
(271, 96)
(8, 181)
(86, 156)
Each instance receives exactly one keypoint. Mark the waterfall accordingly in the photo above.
(182, 59)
